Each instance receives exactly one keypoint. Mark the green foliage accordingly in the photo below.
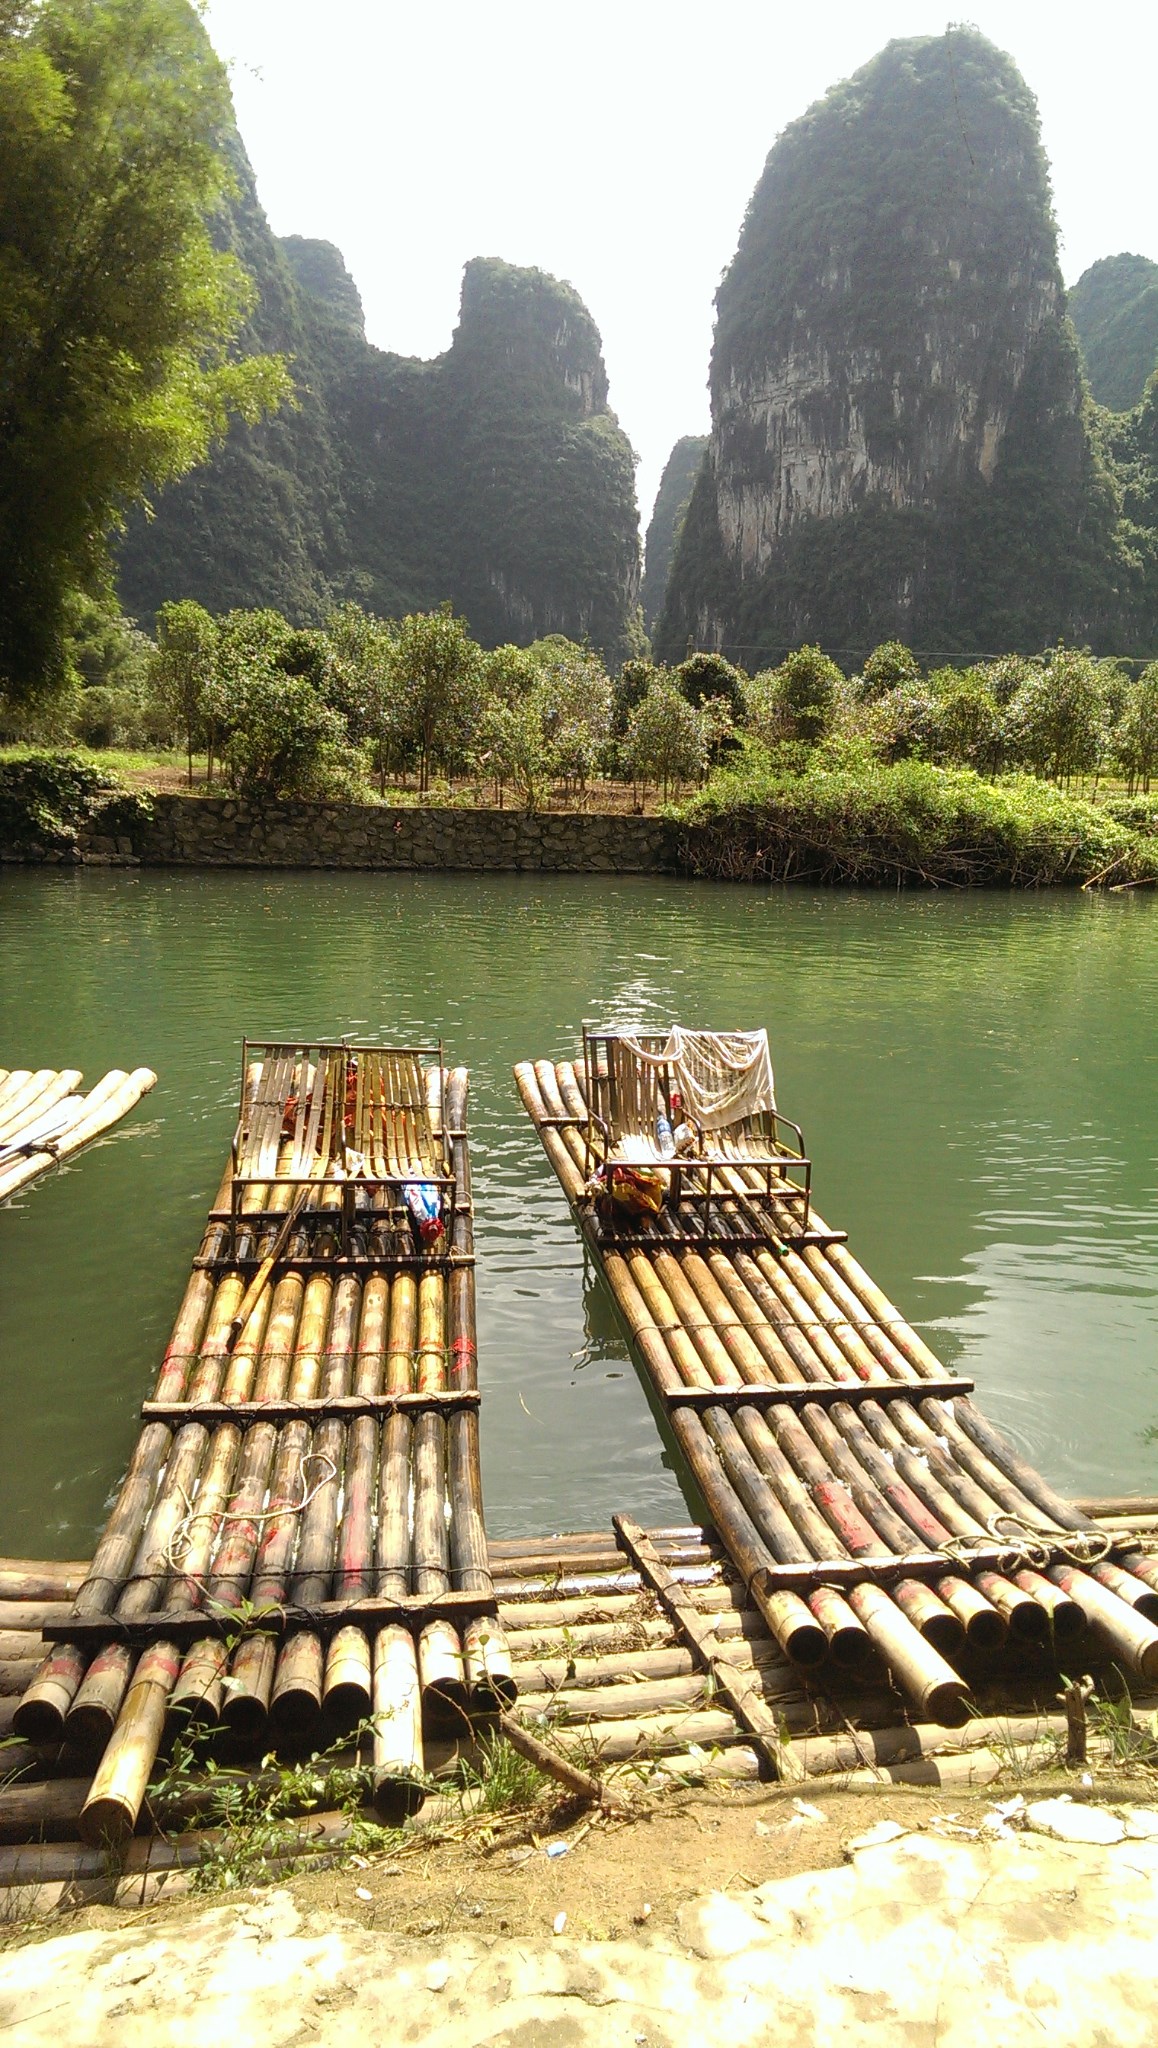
(116, 311)
(1114, 307)
(666, 740)
(575, 695)
(182, 669)
(705, 676)
(968, 727)
(631, 685)
(1057, 720)
(808, 683)
(887, 667)
(439, 677)
(1135, 738)
(908, 823)
(46, 800)
(668, 514)
(895, 302)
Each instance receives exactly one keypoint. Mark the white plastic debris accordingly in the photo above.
(437, 1976)
(812, 1814)
(360, 1892)
(557, 1849)
(559, 1923)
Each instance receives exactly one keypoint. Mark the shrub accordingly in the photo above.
(46, 797)
(704, 676)
(666, 741)
(284, 741)
(968, 729)
(630, 687)
(889, 667)
(1135, 738)
(1057, 720)
(808, 683)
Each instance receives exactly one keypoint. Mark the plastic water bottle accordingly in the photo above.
(683, 1137)
(664, 1142)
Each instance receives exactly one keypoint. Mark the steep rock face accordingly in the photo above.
(671, 504)
(1114, 307)
(495, 475)
(321, 269)
(898, 432)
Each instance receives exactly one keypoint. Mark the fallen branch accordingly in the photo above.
(555, 1766)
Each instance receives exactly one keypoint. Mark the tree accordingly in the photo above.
(808, 683)
(440, 676)
(575, 692)
(665, 740)
(888, 667)
(968, 722)
(284, 741)
(1057, 720)
(703, 676)
(181, 671)
(362, 682)
(1136, 733)
(116, 310)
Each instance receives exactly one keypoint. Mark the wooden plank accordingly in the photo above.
(799, 1393)
(750, 1708)
(184, 1625)
(343, 1407)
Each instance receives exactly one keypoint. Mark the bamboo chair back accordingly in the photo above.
(341, 1108)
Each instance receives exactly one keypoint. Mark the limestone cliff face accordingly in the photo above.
(892, 315)
(495, 475)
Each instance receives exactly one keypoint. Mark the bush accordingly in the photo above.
(704, 676)
(45, 798)
(1057, 721)
(910, 823)
(808, 683)
(902, 725)
(968, 729)
(284, 742)
(1136, 732)
(630, 687)
(666, 740)
(889, 667)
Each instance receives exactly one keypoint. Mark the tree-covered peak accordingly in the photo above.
(918, 181)
(1114, 307)
(529, 324)
(321, 268)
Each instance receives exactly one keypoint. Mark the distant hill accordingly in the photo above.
(900, 445)
(495, 475)
(675, 490)
(1114, 306)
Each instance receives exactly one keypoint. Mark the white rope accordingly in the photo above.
(176, 1551)
(1025, 1543)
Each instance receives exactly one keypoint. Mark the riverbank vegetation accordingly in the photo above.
(1020, 769)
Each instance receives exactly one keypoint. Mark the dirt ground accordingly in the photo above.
(618, 1877)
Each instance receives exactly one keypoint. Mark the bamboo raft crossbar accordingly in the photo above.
(298, 1546)
(880, 1524)
(44, 1118)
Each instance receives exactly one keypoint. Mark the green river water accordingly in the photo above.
(977, 1077)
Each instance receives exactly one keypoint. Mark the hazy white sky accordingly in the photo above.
(616, 144)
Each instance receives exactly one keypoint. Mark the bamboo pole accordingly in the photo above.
(114, 1801)
(110, 1100)
(23, 1114)
(348, 1676)
(296, 1698)
(398, 1760)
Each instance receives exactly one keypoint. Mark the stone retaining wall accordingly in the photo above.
(228, 832)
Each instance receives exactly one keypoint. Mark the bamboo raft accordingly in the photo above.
(640, 1654)
(883, 1529)
(44, 1118)
(298, 1544)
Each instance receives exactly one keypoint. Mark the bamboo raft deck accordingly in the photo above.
(44, 1118)
(883, 1529)
(640, 1653)
(298, 1542)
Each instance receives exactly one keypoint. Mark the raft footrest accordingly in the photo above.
(336, 1262)
(843, 1572)
(185, 1625)
(799, 1393)
(338, 1407)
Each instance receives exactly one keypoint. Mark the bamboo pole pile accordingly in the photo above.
(610, 1676)
(298, 1543)
(879, 1521)
(44, 1119)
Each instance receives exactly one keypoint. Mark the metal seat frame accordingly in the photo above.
(624, 1096)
